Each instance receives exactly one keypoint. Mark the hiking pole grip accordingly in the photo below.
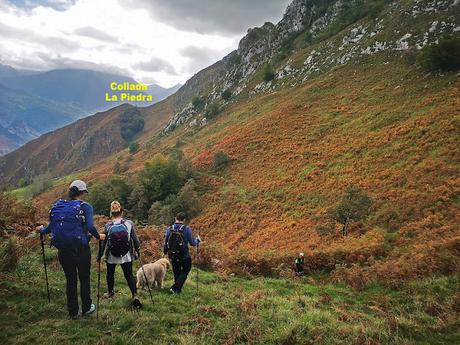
(42, 241)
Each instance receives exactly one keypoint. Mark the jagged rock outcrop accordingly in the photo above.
(330, 43)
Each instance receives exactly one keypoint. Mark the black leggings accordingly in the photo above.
(127, 268)
(77, 266)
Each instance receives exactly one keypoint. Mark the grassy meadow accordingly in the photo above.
(229, 310)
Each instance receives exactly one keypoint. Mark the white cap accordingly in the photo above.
(80, 185)
(301, 254)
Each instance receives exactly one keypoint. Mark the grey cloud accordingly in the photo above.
(55, 43)
(200, 57)
(89, 31)
(213, 16)
(41, 61)
(156, 64)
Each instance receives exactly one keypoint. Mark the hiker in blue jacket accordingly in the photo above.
(177, 239)
(71, 237)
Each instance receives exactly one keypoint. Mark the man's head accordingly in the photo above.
(301, 255)
(77, 189)
(180, 217)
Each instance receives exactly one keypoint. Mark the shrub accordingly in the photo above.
(268, 73)
(104, 192)
(226, 95)
(212, 110)
(160, 178)
(444, 56)
(133, 147)
(187, 200)
(198, 102)
(14, 213)
(221, 161)
(132, 123)
(41, 184)
(117, 168)
(161, 214)
(22, 182)
(9, 255)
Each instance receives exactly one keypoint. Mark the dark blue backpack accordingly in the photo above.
(119, 240)
(66, 222)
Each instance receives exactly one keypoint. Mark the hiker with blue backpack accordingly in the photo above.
(71, 225)
(121, 247)
(177, 239)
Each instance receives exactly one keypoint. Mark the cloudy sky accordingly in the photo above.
(162, 41)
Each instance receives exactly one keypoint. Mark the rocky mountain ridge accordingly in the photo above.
(313, 37)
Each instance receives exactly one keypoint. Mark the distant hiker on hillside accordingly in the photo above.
(121, 247)
(299, 265)
(177, 239)
(70, 222)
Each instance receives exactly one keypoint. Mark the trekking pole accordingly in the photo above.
(44, 265)
(197, 259)
(145, 277)
(98, 281)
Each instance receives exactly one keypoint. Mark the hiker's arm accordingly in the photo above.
(137, 243)
(89, 224)
(192, 240)
(165, 246)
(102, 246)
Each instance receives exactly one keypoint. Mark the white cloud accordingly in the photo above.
(109, 35)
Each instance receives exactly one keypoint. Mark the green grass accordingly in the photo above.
(230, 310)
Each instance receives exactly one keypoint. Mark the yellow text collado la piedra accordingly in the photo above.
(125, 96)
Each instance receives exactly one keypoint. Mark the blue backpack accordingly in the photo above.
(66, 222)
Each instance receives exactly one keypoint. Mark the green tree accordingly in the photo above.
(41, 184)
(133, 147)
(267, 73)
(132, 123)
(221, 161)
(355, 205)
(444, 56)
(212, 110)
(160, 178)
(226, 95)
(104, 192)
(198, 102)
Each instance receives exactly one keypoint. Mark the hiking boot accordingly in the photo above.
(109, 294)
(91, 310)
(136, 303)
(72, 317)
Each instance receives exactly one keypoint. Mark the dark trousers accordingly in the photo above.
(127, 268)
(299, 269)
(77, 262)
(181, 269)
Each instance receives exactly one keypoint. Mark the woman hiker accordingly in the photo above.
(70, 222)
(120, 248)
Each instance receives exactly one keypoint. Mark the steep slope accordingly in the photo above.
(24, 117)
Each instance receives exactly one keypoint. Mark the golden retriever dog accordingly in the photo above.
(155, 273)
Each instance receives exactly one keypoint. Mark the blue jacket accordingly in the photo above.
(188, 239)
(88, 224)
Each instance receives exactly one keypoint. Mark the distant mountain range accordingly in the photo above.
(33, 103)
